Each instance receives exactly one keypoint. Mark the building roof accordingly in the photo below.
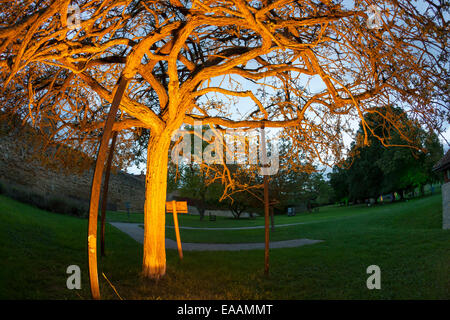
(444, 163)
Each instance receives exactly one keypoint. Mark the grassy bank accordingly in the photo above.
(404, 239)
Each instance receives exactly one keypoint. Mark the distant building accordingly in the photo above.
(443, 166)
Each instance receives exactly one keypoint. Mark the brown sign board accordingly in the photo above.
(181, 206)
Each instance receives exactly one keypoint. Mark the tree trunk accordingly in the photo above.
(96, 186)
(154, 261)
(233, 211)
(202, 205)
(105, 192)
(201, 211)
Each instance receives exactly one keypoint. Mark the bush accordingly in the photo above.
(19, 195)
(38, 201)
(66, 206)
(57, 205)
(52, 204)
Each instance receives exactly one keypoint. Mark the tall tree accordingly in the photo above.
(376, 169)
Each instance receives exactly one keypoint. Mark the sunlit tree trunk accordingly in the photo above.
(154, 262)
(96, 186)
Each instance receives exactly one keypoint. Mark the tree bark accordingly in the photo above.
(96, 186)
(201, 211)
(154, 260)
(202, 205)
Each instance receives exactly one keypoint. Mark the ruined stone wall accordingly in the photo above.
(17, 170)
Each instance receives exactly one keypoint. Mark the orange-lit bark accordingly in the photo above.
(95, 189)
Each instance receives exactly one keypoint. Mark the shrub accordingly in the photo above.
(37, 200)
(57, 205)
(53, 204)
(66, 206)
(19, 195)
(27, 197)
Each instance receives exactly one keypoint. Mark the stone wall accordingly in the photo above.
(17, 170)
(446, 205)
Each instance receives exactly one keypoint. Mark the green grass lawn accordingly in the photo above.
(404, 239)
(325, 213)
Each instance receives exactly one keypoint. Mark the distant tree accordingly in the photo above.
(325, 193)
(339, 184)
(365, 177)
(391, 162)
(193, 185)
(405, 169)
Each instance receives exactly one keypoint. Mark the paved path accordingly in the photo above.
(137, 233)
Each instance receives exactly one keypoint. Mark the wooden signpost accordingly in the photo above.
(175, 207)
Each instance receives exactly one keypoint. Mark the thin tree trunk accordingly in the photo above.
(154, 260)
(96, 186)
(201, 211)
(202, 205)
(105, 192)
